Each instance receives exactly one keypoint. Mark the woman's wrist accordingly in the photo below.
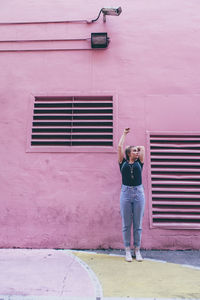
(125, 133)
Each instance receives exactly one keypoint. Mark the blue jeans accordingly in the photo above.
(132, 203)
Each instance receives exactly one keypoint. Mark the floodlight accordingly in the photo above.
(99, 40)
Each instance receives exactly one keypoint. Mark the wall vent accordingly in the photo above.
(175, 180)
(73, 121)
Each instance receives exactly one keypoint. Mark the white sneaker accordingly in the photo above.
(138, 255)
(128, 256)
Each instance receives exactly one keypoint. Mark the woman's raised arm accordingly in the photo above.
(121, 143)
(141, 151)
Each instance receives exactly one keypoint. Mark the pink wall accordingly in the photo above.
(71, 200)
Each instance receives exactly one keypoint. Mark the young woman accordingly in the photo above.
(132, 200)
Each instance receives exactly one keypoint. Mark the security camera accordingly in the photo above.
(112, 11)
(108, 12)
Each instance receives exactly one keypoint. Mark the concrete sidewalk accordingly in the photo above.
(83, 275)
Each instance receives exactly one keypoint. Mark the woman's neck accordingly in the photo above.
(131, 161)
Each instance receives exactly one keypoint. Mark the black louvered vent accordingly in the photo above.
(175, 180)
(73, 121)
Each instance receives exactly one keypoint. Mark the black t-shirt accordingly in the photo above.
(134, 169)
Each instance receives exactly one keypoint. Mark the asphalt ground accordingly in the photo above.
(188, 257)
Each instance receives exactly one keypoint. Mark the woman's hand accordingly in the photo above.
(126, 130)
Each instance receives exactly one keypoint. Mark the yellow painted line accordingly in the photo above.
(147, 279)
